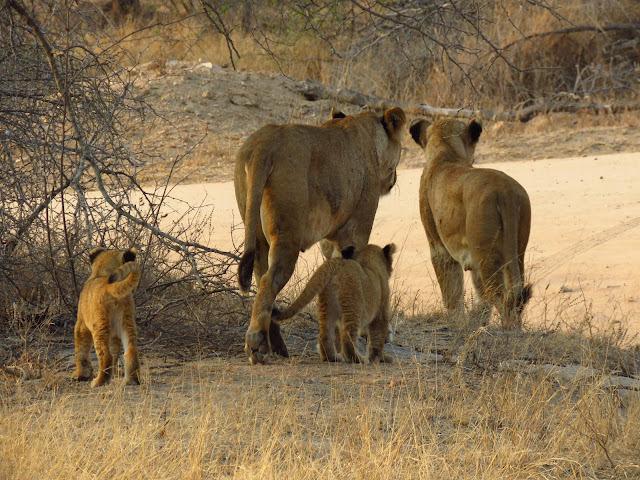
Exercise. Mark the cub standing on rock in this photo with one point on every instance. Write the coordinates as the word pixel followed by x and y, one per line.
pixel 106 315
pixel 476 219
pixel 298 184
pixel 353 295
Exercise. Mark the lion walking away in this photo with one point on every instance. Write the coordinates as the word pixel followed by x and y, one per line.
pixel 476 219
pixel 106 316
pixel 298 184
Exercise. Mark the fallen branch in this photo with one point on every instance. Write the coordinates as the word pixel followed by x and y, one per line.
pixel 576 29
pixel 313 91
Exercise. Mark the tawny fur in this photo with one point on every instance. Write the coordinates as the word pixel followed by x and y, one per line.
pixel 475 219
pixel 106 317
pixel 354 296
pixel 298 184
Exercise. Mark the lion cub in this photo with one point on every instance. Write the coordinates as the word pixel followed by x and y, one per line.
pixel 353 294
pixel 106 315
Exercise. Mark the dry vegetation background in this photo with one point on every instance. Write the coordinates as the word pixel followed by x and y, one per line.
pixel 105 105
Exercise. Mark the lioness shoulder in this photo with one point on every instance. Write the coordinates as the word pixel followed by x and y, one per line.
pixel 106 316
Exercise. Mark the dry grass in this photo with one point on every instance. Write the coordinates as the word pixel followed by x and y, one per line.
pixel 488 408
pixel 220 419
pixel 589 66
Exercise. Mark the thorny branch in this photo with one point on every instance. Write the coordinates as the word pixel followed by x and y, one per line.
pixel 61 112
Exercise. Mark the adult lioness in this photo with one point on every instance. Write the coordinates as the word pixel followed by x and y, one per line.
pixel 106 316
pixel 475 218
pixel 298 184
pixel 353 295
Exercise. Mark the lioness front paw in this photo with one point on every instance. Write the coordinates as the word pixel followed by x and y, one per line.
pixel 79 377
pixel 132 380
pixel 256 346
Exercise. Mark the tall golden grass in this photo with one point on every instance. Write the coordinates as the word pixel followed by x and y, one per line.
pixel 218 419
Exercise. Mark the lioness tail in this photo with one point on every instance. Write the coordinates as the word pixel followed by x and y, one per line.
pixel 259 168
pixel 124 280
pixel 518 293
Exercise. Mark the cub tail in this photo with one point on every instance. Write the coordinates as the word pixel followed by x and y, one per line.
pixel 318 281
pixel 124 280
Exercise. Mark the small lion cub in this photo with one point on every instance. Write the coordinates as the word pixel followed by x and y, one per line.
pixel 106 315
pixel 353 295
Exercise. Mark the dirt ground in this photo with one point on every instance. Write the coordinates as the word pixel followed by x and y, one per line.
pixel 205 113
pixel 580 171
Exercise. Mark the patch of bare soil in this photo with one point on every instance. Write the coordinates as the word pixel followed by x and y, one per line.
pixel 205 113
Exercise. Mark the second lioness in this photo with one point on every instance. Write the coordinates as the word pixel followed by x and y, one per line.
pixel 476 219
pixel 353 295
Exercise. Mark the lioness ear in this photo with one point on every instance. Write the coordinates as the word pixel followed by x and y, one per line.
pixel 93 254
pixel 394 119
pixel 336 114
pixel 474 129
pixel 129 255
pixel 418 130
pixel 388 251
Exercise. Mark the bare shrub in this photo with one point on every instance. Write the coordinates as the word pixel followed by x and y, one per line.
pixel 69 180
pixel 495 54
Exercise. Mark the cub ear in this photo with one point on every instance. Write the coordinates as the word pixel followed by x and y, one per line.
pixel 418 130
pixel 129 255
pixel 336 113
pixel 93 254
pixel 388 251
pixel 348 252
pixel 474 129
pixel 394 119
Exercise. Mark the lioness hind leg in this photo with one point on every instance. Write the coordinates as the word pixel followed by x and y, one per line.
pixel 261 337
pixel 82 342
pixel 481 304
pixel 450 278
pixel 260 267
pixel 492 280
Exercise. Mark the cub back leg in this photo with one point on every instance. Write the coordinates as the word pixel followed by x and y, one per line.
pixel 82 342
pixel 328 315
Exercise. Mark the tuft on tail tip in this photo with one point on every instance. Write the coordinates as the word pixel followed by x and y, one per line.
pixel 525 296
pixel 245 269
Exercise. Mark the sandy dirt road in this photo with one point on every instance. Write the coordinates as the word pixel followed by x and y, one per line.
pixel 583 254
